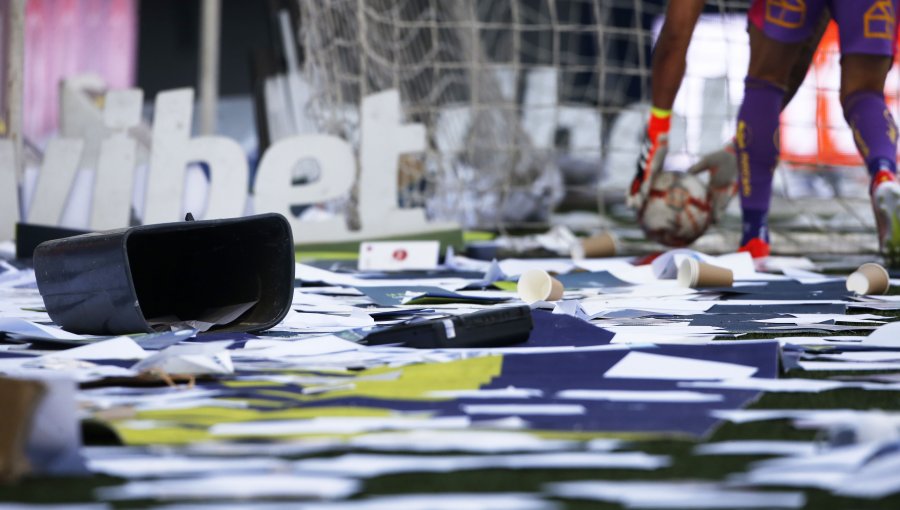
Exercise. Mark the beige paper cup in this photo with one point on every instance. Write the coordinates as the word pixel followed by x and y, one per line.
pixel 870 278
pixel 537 285
pixel 695 274
pixel 595 246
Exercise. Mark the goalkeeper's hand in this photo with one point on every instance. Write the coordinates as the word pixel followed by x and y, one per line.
pixel 650 162
pixel 723 171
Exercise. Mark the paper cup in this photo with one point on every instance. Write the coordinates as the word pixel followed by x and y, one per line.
pixel 596 246
pixel 537 285
pixel 695 274
pixel 870 278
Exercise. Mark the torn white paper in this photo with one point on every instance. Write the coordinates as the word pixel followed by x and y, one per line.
pixel 640 396
pixel 643 365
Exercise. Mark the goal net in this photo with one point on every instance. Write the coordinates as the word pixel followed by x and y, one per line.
pixel 535 108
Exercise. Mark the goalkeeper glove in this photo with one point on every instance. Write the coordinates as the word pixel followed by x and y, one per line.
pixel 653 153
pixel 723 171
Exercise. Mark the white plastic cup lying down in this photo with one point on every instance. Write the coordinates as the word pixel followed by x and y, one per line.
pixel 695 274
pixel 870 278
pixel 537 285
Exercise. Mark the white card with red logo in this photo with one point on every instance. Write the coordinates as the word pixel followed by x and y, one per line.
pixel 398 255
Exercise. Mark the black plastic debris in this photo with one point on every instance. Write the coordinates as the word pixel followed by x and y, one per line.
pixel 217 275
pixel 29 236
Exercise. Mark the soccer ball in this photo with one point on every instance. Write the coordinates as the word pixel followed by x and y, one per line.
pixel 676 211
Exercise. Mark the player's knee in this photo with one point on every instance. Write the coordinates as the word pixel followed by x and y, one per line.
pixel 849 94
pixel 752 82
pixel 771 76
pixel 848 99
pixel 771 60
pixel 863 74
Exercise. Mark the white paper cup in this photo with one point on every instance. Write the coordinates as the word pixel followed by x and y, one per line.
pixel 695 274
pixel 596 246
pixel 537 285
pixel 870 278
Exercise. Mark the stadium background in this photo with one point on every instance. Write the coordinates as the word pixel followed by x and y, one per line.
pixel 534 108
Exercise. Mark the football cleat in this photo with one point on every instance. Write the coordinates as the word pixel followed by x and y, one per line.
pixel 756 247
pixel 886 206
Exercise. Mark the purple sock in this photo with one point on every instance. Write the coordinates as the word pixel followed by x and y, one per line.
pixel 873 130
pixel 757 152
pixel 755 224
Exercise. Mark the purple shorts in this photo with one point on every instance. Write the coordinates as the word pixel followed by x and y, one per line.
pixel 865 26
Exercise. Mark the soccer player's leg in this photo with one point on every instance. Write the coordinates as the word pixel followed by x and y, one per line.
pixel 875 134
pixel 757 154
pixel 867 35
pixel 772 56
pixel 722 164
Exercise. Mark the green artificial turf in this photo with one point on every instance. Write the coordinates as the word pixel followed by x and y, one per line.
pixel 685 465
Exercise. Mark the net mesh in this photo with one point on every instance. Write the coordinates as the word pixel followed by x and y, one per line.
pixel 534 107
